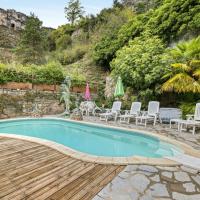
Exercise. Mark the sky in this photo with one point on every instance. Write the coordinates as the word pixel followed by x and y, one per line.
pixel 51 12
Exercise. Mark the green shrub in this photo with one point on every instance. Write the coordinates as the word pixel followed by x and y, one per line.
pixel 187 109
pixel 63 42
pixel 71 55
pixel 140 63
pixel 51 73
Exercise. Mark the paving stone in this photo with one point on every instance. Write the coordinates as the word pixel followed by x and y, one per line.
pixel 179 196
pixel 145 173
pixel 178 187
pixel 155 178
pixel 196 179
pixel 181 176
pixel 159 190
pixel 188 169
pixel 147 196
pixel 97 198
pixel 119 197
pixel 121 185
pixel 171 169
pixel 134 195
pixel 167 174
pixel 124 175
pixel 131 168
pixel 148 168
pixel 139 182
pixel 105 193
pixel 189 187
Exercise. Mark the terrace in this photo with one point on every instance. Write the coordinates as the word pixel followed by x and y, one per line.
pixel 31 170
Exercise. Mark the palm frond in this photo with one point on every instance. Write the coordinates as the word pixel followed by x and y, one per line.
pixel 168 75
pixel 197 73
pixel 181 66
pixel 182 83
pixel 195 63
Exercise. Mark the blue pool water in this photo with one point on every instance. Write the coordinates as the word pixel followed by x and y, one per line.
pixel 94 140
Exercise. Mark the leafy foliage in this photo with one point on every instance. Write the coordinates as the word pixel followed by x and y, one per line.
pixel 184 76
pixel 70 56
pixel 143 5
pixel 187 109
pixel 30 49
pixel 51 73
pixel 63 42
pixel 108 42
pixel 175 19
pixel 139 63
pixel 169 19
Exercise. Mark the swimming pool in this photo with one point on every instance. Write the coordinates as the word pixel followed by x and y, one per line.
pixel 91 139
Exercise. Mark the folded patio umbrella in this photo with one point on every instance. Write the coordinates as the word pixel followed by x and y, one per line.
pixel 87 96
pixel 119 89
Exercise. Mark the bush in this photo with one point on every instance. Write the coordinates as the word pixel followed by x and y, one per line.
pixel 71 55
pixel 174 19
pixel 140 63
pixel 187 109
pixel 63 42
pixel 51 73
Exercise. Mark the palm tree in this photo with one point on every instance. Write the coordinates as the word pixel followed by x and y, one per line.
pixel 184 76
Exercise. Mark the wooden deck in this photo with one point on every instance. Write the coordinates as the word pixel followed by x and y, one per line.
pixel 35 172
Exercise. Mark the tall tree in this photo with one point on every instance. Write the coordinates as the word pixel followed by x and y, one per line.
pixel 74 11
pixel 31 45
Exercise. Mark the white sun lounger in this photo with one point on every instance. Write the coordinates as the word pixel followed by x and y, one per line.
pixel 151 115
pixel 112 113
pixel 187 124
pixel 191 121
pixel 133 113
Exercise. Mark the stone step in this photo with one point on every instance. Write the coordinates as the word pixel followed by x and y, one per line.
pixel 187 160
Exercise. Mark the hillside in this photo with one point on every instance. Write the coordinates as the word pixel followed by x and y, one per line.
pixel 132 39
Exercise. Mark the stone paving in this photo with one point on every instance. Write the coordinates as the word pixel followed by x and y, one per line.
pixel 145 182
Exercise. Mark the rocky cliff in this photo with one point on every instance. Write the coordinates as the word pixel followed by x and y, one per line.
pixel 8 37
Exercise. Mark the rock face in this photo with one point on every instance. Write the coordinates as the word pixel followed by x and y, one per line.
pixel 11 24
pixel 8 39
pixel 12 19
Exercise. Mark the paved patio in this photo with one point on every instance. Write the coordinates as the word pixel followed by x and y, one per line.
pixel 145 182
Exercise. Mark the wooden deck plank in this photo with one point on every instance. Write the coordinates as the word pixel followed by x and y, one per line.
pixel 32 171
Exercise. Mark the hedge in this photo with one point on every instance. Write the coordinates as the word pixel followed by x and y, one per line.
pixel 51 73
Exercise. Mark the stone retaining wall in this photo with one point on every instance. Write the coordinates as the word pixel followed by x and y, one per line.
pixel 19 99
pixel 22 103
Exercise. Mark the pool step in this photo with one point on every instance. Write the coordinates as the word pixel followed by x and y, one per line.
pixel 184 159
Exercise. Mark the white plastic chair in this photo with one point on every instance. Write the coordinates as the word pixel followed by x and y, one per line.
pixel 88 107
pixel 112 113
pixel 151 114
pixel 133 113
pixel 196 116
